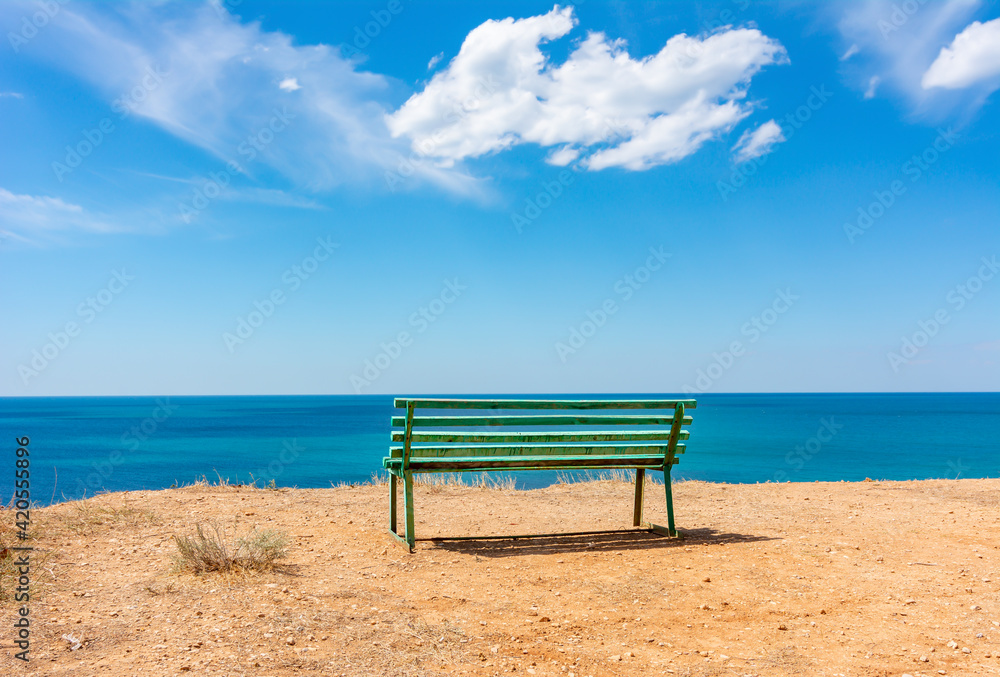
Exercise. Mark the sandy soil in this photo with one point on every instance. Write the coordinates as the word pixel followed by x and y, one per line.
pixel 873 578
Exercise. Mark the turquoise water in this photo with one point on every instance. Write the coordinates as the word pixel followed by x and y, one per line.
pixel 124 443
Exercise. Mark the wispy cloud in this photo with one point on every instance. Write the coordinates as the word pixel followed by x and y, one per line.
pixel 12 95
pixel 601 104
pixel 873 83
pixel 34 217
pixel 893 44
pixel 758 142
pixel 224 79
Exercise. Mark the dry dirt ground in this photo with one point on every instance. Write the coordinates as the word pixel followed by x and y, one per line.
pixel 872 578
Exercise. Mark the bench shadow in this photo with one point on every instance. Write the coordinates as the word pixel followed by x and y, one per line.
pixel 610 541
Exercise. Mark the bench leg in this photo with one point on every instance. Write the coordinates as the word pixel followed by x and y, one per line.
pixel 640 483
pixel 670 502
pixel 408 499
pixel 392 503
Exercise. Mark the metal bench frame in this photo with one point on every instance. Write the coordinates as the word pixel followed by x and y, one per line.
pixel 618 445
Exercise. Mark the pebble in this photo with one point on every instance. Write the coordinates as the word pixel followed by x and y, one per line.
pixel 782 627
pixel 966 649
pixel 290 641
pixel 615 658
pixel 952 644
pixel 924 659
pixel 707 579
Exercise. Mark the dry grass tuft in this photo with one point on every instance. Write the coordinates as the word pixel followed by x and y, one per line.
pixel 9 574
pixel 438 481
pixel 89 516
pixel 615 475
pixel 211 552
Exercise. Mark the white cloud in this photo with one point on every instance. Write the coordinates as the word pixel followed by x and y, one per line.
pixel 896 42
pixel 851 51
pixel 14 95
pixel 601 104
pixel 561 157
pixel 873 84
pixel 435 60
pixel 760 141
pixel 972 57
pixel 215 89
pixel 31 216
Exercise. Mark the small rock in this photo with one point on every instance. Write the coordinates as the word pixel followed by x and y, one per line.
pixel 975 607
pixel 911 601
pixel 707 579
pixel 782 627
pixel 966 649
pixel 723 657
pixel 290 641
pixel 924 659
pixel 952 644
pixel 543 619
pixel 615 658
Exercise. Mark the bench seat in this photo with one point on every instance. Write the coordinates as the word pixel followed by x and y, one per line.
pixel 570 435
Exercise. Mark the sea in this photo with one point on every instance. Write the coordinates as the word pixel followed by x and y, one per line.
pixel 80 446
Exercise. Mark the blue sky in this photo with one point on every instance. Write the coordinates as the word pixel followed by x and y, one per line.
pixel 397 197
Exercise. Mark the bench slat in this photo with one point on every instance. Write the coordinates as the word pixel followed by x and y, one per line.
pixel 471 464
pixel 551 419
pixel 491 437
pixel 420 403
pixel 534 450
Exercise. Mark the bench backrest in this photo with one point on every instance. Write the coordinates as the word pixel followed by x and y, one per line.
pixel 455 428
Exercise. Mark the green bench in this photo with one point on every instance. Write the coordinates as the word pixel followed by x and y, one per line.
pixel 577 435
